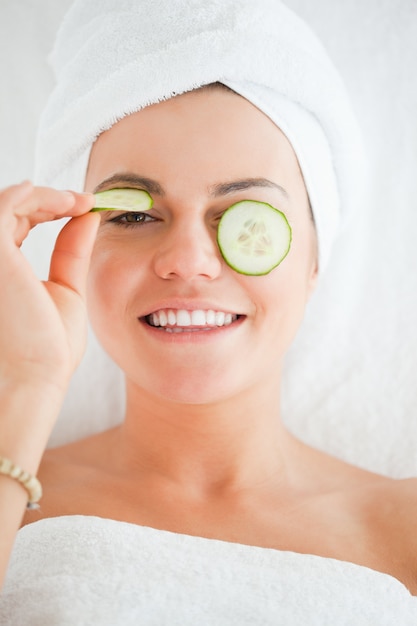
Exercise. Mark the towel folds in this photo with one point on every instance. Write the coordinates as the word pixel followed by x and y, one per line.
pixel 115 57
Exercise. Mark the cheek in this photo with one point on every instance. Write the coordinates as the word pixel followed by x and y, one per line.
pixel 100 278
pixel 112 301
pixel 282 295
pixel 110 281
pixel 303 255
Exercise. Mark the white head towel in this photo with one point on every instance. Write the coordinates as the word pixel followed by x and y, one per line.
pixel 114 57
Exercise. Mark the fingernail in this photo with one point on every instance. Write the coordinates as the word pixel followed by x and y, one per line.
pixel 25 183
pixel 69 194
pixel 87 194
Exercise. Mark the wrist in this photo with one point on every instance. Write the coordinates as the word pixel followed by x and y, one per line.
pixel 28 412
pixel 30 483
pixel 36 378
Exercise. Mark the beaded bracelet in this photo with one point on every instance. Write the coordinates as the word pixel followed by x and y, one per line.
pixel 29 482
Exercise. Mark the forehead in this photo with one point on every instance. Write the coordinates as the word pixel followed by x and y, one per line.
pixel 210 133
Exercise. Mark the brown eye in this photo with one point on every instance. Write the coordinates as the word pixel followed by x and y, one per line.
pixel 134 218
pixel 131 218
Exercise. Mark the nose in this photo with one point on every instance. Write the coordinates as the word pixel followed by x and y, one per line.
pixel 189 251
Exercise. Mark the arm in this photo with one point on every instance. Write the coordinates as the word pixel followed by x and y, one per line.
pixel 42 332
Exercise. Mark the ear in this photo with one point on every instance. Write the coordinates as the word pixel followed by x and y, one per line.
pixel 312 279
pixel 313 267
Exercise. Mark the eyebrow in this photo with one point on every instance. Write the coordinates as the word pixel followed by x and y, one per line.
pixel 215 191
pixel 129 178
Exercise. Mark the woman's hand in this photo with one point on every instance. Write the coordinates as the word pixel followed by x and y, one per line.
pixel 43 324
pixel 42 332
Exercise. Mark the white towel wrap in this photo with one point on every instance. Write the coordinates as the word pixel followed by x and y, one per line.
pixel 114 57
pixel 88 570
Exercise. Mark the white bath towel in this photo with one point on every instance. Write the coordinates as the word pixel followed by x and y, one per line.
pixel 117 56
pixel 80 571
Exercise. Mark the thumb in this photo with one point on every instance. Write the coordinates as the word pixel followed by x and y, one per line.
pixel 72 253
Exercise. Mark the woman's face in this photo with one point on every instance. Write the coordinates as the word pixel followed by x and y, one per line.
pixel 196 154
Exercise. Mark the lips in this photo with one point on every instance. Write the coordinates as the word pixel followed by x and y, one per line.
pixel 177 320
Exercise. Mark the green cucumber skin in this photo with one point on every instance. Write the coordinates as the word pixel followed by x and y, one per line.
pixel 285 253
pixel 256 273
pixel 119 192
pixel 233 265
pixel 110 208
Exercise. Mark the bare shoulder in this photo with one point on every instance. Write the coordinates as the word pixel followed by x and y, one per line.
pixel 403 495
pixel 66 474
pixel 54 475
pixel 394 501
pixel 391 513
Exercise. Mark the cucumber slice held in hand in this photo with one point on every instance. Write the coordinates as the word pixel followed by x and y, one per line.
pixel 122 200
pixel 253 237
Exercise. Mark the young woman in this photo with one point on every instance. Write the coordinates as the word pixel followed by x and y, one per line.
pixel 202 451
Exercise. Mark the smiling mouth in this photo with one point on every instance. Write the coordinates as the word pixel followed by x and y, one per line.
pixel 181 320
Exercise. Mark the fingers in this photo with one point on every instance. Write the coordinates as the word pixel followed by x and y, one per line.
pixel 24 206
pixel 16 193
pixel 71 256
pixel 46 204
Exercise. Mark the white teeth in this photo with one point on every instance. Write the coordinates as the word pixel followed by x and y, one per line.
pixel 172 318
pixel 163 319
pixel 198 318
pixel 177 320
pixel 183 318
pixel 189 329
pixel 220 318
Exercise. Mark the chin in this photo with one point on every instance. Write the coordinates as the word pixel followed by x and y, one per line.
pixel 197 394
pixel 189 389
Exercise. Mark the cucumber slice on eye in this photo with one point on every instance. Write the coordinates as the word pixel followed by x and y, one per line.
pixel 253 237
pixel 122 200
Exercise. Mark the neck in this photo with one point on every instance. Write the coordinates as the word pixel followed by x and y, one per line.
pixel 224 446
